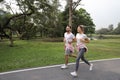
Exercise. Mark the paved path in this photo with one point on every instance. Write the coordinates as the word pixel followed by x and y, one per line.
pixel 102 70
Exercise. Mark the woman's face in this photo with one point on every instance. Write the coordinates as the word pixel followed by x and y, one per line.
pixel 79 30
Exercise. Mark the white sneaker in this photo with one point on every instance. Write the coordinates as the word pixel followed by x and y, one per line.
pixel 91 67
pixel 74 73
pixel 64 66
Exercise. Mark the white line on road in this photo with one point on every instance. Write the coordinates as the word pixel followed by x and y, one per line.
pixel 53 66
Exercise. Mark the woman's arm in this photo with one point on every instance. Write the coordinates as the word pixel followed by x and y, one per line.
pixel 86 40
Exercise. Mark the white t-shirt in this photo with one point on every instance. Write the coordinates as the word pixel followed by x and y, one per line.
pixel 80 36
pixel 69 37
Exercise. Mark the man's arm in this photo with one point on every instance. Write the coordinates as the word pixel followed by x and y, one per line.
pixel 74 39
pixel 64 40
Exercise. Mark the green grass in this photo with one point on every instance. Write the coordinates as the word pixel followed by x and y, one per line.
pixel 34 53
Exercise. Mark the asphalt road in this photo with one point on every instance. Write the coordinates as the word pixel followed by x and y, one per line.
pixel 102 70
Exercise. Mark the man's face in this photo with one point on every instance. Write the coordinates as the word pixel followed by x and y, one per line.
pixel 68 29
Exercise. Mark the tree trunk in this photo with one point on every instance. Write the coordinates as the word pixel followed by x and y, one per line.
pixel 70 13
pixel 11 39
pixel 71 8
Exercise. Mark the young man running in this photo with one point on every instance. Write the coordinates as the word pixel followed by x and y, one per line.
pixel 69 49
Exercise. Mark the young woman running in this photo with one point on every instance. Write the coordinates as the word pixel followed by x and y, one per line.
pixel 81 48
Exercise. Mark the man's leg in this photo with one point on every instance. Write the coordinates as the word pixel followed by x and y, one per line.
pixel 73 55
pixel 67 52
pixel 66 59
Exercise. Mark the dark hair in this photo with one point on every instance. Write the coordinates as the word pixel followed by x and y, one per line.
pixel 69 26
pixel 82 27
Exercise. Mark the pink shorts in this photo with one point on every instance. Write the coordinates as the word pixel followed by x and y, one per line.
pixel 69 49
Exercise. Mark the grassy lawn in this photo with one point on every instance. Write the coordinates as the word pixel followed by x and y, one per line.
pixel 34 53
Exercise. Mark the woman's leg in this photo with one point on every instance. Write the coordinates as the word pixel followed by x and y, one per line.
pixel 80 54
pixel 83 59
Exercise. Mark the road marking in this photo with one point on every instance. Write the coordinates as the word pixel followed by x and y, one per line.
pixel 53 66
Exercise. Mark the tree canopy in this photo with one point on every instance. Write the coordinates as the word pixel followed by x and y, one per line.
pixel 80 17
pixel 40 18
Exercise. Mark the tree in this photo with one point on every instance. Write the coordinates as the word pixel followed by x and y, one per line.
pixel 24 30
pixel 102 31
pixel 117 30
pixel 72 6
pixel 42 15
pixel 110 27
pixel 80 17
pixel 3 16
pixel 42 18
pixel 70 12
pixel 6 25
pixel 48 20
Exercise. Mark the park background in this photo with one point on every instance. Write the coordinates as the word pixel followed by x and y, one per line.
pixel 32 34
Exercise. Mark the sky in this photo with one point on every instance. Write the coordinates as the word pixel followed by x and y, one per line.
pixel 103 12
